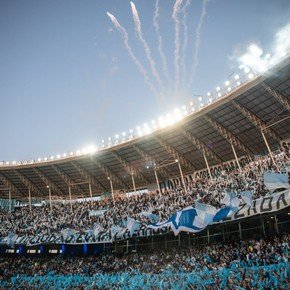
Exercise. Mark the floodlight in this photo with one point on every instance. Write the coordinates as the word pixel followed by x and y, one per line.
pixel 237 77
pixel 218 89
pixel 227 83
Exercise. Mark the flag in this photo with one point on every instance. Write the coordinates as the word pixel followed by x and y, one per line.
pixel 205 212
pixel 231 200
pixel 274 181
pixel 154 218
pixel 97 229
pixel 132 225
pixel 222 214
pixel 115 230
pixel 247 197
pixel 11 238
pixel 66 233
pixel 184 220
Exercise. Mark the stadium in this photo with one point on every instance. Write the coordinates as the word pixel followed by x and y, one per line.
pixel 198 199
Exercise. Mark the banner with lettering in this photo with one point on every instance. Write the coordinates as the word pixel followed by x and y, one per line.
pixel 189 219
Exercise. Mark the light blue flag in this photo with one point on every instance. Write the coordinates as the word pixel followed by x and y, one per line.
pixel 97 229
pixel 66 233
pixel 222 214
pixel 205 212
pixel 115 230
pixel 274 180
pixel 11 238
pixel 232 201
pixel 247 197
pixel 152 217
pixel 132 225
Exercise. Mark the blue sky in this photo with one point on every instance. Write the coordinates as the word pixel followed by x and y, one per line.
pixel 66 79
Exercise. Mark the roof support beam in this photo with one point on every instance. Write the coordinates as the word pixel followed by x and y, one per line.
pixel 200 145
pixel 164 172
pixel 9 184
pixel 66 178
pixel 131 169
pixel 258 123
pixel 28 183
pixel 88 177
pixel 285 103
pixel 109 173
pixel 49 182
pixel 175 154
pixel 229 136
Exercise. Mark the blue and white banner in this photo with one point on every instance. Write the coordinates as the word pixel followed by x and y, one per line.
pixel 275 181
pixel 190 219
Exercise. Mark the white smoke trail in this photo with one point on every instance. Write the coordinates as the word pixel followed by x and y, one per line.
pixel 254 58
pixel 160 41
pixel 185 38
pixel 176 9
pixel 197 42
pixel 281 45
pixel 146 46
pixel 124 34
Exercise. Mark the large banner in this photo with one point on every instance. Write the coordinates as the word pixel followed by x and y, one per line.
pixel 189 219
pixel 214 170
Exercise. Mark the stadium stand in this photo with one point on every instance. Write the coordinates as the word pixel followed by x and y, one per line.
pixel 232 252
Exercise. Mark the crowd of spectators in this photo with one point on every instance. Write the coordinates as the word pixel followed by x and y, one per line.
pixel 249 264
pixel 211 191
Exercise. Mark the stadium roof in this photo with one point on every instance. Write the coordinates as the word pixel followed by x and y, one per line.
pixel 237 118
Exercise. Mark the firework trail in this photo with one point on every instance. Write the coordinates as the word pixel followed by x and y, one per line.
pixel 197 41
pixel 160 41
pixel 146 46
pixel 176 9
pixel 185 38
pixel 124 34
